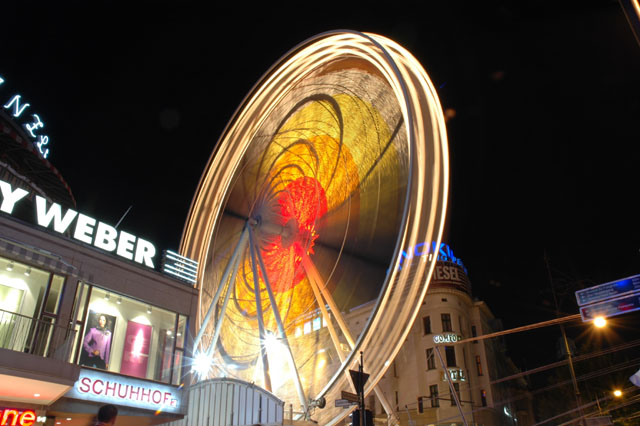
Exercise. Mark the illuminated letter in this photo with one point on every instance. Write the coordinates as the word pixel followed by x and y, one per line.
pixel 167 396
pixel 419 253
pixel 60 224
pixel 27 418
pixel 153 396
pixel 5 417
pixel 9 197
pixel 106 237
pixel 94 387
pixel 37 124
pixel 145 252
pixel 120 387
pixel 146 394
pixel 137 392
pixel 42 142
pixel 125 245
pixel 113 389
pixel 85 382
pixel 84 228
pixel 17 109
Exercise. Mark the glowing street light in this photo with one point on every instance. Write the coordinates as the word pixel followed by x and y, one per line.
pixel 202 364
pixel 599 321
pixel 617 393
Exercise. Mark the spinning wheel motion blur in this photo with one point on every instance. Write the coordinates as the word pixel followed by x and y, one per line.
pixel 332 169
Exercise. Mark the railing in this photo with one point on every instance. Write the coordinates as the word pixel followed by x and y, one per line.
pixel 38 337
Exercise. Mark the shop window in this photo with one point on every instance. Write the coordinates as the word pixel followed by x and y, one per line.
pixel 446 322
pixel 431 362
pixel 29 303
pixel 426 325
pixel 483 397
pixel 126 336
pixel 433 395
pixel 456 386
pixel 478 365
pixel 450 353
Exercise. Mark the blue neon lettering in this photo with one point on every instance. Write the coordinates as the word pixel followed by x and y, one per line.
pixel 420 253
pixel 17 109
pixel 43 140
pixel 37 124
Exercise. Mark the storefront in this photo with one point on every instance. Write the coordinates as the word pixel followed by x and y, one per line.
pixel 82 325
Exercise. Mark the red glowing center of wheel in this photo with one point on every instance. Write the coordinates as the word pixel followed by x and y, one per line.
pixel 302 203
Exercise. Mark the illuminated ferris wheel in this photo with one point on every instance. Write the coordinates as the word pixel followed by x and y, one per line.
pixel 332 169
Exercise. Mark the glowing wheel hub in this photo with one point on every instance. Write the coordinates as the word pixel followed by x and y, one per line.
pixel 302 203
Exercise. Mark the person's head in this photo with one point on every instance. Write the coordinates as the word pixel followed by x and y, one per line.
pixel 107 414
pixel 102 321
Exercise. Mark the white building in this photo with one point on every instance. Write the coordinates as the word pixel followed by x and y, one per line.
pixel 416 383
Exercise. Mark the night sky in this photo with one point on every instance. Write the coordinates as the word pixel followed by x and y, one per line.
pixel 544 142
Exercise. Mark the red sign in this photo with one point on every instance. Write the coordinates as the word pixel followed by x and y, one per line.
pixel 16 417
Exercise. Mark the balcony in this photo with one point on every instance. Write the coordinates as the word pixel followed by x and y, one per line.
pixel 35 359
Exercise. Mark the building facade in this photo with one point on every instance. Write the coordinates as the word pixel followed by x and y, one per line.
pixel 417 384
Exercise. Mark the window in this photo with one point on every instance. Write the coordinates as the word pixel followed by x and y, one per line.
pixel 126 336
pixel 456 386
pixel 29 303
pixel 426 325
pixel 433 395
pixel 478 365
pixel 460 324
pixel 431 362
pixel 450 353
pixel 483 397
pixel 474 333
pixel 446 322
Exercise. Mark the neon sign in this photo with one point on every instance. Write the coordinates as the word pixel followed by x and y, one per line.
pixel 87 229
pixel 16 107
pixel 108 388
pixel 17 417
pixel 425 251
pixel 447 338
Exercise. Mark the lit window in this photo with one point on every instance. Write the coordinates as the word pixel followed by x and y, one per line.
pixel 307 327
pixel 298 332
pixel 478 365
pixel 317 323
pixel 483 397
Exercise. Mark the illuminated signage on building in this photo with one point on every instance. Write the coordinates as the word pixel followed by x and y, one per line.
pixel 108 388
pixel 456 374
pixel 426 251
pixel 33 125
pixel 86 229
pixel 447 338
pixel 17 417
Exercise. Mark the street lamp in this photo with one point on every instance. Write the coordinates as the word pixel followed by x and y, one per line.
pixel 600 321
pixel 617 393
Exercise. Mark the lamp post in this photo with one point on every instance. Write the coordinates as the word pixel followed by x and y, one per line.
pixel 566 344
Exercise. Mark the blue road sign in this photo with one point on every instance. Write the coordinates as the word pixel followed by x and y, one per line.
pixel 610 308
pixel 608 290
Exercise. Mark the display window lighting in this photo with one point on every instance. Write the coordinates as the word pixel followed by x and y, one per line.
pixel 10 266
pixel 27 271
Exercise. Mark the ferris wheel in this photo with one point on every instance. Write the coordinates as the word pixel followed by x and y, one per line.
pixel 329 180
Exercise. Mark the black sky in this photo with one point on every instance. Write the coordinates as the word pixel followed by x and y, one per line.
pixel 544 144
